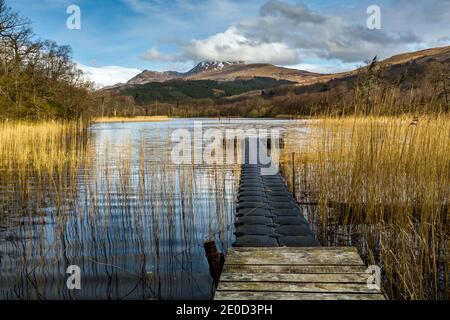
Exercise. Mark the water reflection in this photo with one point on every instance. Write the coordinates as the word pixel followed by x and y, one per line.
pixel 134 222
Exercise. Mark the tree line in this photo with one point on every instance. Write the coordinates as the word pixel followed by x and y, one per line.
pixel 39 79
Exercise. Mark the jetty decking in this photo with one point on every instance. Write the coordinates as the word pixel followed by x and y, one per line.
pixel 294 273
pixel 276 256
pixel 267 214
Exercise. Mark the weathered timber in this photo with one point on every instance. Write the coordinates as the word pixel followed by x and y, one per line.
pixel 299 269
pixel 295 273
pixel 295 256
pixel 295 287
pixel 216 260
pixel 270 295
pixel 295 277
pixel 276 256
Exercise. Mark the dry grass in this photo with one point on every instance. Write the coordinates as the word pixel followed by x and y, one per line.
pixel 131 119
pixel 383 185
pixel 37 146
pixel 39 164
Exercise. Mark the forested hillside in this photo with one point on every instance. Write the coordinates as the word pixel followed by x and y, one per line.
pixel 38 78
pixel 188 90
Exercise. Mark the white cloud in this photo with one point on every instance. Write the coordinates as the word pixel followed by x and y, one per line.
pixel 285 32
pixel 325 36
pixel 232 45
pixel 325 67
pixel 153 54
pixel 109 75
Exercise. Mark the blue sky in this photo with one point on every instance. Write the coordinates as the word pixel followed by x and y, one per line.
pixel 119 38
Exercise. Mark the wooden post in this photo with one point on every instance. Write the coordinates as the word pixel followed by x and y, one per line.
pixel 293 175
pixel 216 260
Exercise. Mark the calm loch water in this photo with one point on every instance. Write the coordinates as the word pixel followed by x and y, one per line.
pixel 132 221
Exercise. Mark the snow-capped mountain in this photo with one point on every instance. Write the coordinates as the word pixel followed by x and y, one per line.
pixel 204 66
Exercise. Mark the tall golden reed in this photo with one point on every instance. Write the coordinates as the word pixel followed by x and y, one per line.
pixel 383 185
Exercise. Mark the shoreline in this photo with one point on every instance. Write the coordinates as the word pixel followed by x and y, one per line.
pixel 131 119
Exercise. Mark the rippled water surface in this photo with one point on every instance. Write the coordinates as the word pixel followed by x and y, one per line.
pixel 133 221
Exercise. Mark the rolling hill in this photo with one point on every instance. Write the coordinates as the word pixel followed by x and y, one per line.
pixel 223 71
pixel 405 68
pixel 228 81
pixel 180 90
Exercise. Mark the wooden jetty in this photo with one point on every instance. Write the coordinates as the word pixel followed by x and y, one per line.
pixel 294 273
pixel 276 256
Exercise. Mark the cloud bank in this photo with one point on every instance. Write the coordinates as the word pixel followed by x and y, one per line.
pixel 234 45
pixel 285 34
pixel 109 75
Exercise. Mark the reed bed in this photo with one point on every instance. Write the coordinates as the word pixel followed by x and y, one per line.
pixel 42 145
pixel 37 156
pixel 381 184
pixel 112 203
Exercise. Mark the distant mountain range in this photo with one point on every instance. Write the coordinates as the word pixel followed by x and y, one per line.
pixel 221 71
pixel 228 79
pixel 203 67
pixel 239 70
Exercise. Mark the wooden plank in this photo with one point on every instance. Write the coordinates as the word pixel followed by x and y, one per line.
pixel 296 287
pixel 295 274
pixel 294 249
pixel 292 277
pixel 248 268
pixel 266 257
pixel 268 295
